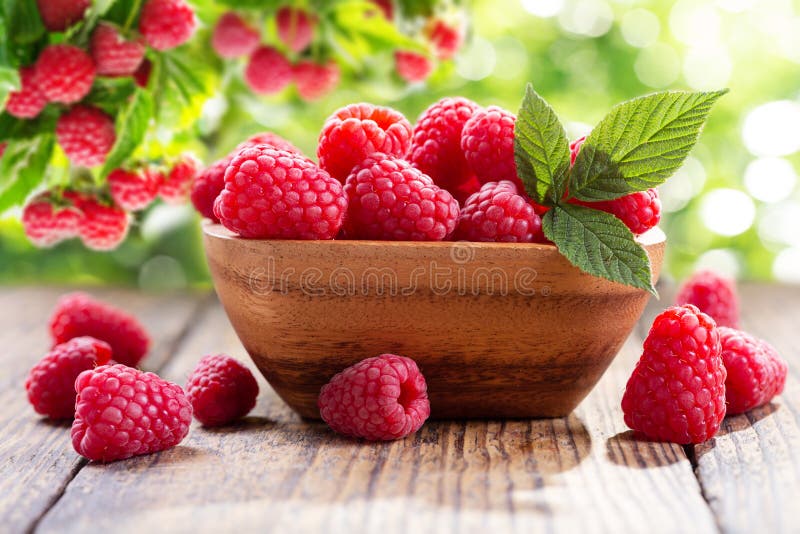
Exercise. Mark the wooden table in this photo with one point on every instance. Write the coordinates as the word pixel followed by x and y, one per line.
pixel 277 473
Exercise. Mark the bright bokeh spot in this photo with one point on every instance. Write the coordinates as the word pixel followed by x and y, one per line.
pixel 477 60
pixel 786 266
pixel 695 23
pixel 684 185
pixel 780 224
pixel 543 8
pixel 722 260
pixel 735 6
pixel 657 65
pixel 770 179
pixel 591 18
pixel 707 68
pixel 727 211
pixel 640 28
pixel 773 129
pixel 512 59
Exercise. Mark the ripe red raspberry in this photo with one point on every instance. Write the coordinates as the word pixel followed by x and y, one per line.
pixel 29 101
pixel 487 141
pixel 295 27
pixel 51 382
pixel 221 390
pixel 381 398
pixel 64 73
pixel 677 390
pixel 574 148
pixel 386 8
pixel 273 194
pixel 354 132
pixel 112 54
pixel 207 187
pixel 315 80
pixel 750 371
pixel 446 39
pixel 640 211
pixel 103 226
pixel 47 224
pixel 436 147
pixel 166 24
pixel 233 37
pixel 268 71
pixel 177 185
pixel 389 199
pixel 267 138
pixel 58 15
pixel 122 412
pixel 142 75
pixel 778 370
pixel 498 213
pixel 714 294
pixel 86 134
pixel 78 314
pixel 132 191
pixel 412 66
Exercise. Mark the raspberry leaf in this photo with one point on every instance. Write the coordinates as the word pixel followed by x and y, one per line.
pixel 9 81
pixel 131 125
pixel 640 144
pixel 22 167
pixel 541 150
pixel 600 244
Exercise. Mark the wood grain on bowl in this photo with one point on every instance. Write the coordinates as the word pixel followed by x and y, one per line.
pixel 499 330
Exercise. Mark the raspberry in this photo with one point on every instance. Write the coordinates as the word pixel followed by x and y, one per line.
pixel 221 390
pixel 640 211
pixel 112 54
pixel 58 15
pixel 446 39
pixel 315 80
pixel 389 199
pixel 436 147
pixel 574 148
pixel 354 132
pixel 499 213
pixel 386 7
pixel 142 74
pixel 51 382
pixel 233 37
pixel 103 227
pixel 295 27
pixel 274 194
pixel 78 314
pixel 411 66
pixel 3 147
pixel 122 412
pixel 267 71
pixel 132 191
pixel 29 101
pixel 750 371
pixel 46 224
pixel 381 398
pixel 207 187
pixel 677 390
pixel 779 370
pixel 713 294
pixel 64 73
pixel 86 134
pixel 177 186
pixel 267 138
pixel 166 24
pixel 487 141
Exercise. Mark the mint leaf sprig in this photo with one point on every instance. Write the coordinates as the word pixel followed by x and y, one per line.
pixel 638 145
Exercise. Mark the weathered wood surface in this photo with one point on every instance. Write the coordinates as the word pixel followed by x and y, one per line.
pixel 277 473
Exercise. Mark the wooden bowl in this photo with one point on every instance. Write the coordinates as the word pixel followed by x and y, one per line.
pixel 498 330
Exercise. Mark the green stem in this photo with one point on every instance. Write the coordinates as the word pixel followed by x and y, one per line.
pixel 132 15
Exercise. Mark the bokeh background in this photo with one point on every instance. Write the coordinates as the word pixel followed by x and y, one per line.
pixel 734 206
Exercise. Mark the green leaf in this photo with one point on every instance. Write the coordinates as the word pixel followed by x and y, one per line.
pixel 600 244
pixel 22 168
pixel 357 32
pixel 9 81
pixel 23 21
pixel 640 144
pixel 131 126
pixel 541 150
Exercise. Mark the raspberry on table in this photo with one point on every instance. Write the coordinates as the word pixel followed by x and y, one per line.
pixel 445 38
pixel 177 185
pixel 86 134
pixel 436 146
pixel 47 224
pixel 274 194
pixel 487 141
pixel 51 383
pixel 750 371
pixel 132 191
pixel 122 412
pixel 113 55
pixel 295 27
pixel 778 370
pixel 380 398
pixel 499 213
pixel 354 132
pixel 639 211
pixel 713 294
pixel 29 101
pixel 413 67
pixel 267 71
pixel 64 73
pixel 233 37
pixel 221 390
pixel 391 200
pixel 166 24
pixel 58 15
pixel 78 314
pixel 315 80
pixel 677 390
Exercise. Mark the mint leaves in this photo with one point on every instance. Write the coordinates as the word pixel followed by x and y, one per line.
pixel 638 145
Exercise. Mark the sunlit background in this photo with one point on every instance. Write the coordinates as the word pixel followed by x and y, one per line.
pixel 734 206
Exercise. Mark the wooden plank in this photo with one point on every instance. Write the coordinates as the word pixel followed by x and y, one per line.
pixel 277 473
pixel 36 456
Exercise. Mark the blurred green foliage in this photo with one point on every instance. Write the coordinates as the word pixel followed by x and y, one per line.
pixel 735 205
